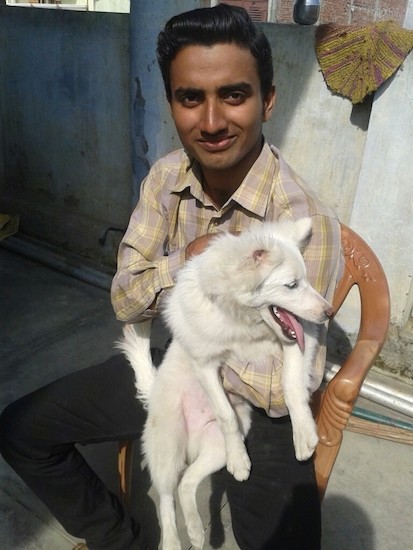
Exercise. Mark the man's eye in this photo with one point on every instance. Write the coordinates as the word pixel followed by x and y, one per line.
pixel 292 285
pixel 189 100
pixel 235 98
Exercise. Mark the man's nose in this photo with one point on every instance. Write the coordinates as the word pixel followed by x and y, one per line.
pixel 212 118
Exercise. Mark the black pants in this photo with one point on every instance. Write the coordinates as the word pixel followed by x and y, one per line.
pixel 277 508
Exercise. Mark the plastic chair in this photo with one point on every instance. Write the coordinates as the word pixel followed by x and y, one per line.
pixel 332 406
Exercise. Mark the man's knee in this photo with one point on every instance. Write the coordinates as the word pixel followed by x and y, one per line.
pixel 16 429
pixel 9 429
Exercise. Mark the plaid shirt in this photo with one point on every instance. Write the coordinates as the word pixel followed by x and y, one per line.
pixel 173 210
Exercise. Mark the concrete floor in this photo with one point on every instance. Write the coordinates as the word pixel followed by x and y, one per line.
pixel 52 324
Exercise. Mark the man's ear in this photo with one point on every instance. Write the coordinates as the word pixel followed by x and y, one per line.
pixel 268 104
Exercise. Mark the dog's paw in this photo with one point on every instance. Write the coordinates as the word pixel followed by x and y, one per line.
pixel 238 462
pixel 305 441
pixel 197 538
pixel 171 544
pixel 193 522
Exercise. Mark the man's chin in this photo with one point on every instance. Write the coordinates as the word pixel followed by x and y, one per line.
pixel 216 160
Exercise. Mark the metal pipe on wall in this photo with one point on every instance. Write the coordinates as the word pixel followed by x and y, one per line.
pixel 379 393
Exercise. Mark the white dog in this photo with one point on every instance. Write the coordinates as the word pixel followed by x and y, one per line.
pixel 239 298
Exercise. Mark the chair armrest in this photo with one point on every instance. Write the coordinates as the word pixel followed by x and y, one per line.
pixel 342 391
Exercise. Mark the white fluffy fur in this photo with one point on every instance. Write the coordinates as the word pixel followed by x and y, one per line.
pixel 219 308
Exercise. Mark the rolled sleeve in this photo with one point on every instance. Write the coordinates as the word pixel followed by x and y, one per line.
pixel 145 265
pixel 133 293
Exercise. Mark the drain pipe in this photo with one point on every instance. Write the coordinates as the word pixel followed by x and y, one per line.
pixel 51 257
pixel 379 393
pixel 381 419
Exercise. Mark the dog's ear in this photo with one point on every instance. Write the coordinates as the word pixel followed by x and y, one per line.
pixel 264 261
pixel 259 255
pixel 302 233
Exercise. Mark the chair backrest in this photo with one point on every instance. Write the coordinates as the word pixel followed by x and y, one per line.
pixel 335 403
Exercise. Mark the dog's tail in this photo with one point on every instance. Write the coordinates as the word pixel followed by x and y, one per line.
pixel 135 344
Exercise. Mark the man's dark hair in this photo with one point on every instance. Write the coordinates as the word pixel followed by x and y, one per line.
pixel 221 24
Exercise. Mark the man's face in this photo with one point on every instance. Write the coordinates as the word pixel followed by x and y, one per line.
pixel 217 106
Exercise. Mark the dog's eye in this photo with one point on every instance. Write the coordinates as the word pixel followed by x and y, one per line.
pixel 292 285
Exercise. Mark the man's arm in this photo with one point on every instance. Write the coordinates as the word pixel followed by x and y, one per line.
pixel 144 268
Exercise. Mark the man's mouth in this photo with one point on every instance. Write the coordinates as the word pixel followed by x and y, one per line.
pixel 219 144
pixel 289 324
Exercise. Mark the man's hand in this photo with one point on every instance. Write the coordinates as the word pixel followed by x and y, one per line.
pixel 198 245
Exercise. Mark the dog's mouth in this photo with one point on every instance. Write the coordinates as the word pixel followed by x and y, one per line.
pixel 289 324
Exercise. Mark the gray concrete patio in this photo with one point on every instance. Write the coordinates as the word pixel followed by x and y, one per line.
pixel 53 324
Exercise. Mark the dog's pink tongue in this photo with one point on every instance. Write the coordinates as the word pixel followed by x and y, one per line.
pixel 289 319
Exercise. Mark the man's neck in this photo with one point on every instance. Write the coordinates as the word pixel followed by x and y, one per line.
pixel 220 185
pixel 220 189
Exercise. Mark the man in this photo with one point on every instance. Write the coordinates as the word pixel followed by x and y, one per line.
pixel 217 70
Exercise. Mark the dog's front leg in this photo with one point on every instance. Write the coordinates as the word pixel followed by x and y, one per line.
pixel 238 461
pixel 295 384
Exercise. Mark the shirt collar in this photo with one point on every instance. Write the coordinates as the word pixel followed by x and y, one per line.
pixel 190 178
pixel 252 194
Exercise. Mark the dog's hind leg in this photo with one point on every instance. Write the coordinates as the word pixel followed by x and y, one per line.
pixel 237 459
pixel 170 538
pixel 212 457
pixel 165 473
pixel 164 446
pixel 165 453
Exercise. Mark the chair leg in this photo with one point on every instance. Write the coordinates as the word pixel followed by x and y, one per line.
pixel 125 469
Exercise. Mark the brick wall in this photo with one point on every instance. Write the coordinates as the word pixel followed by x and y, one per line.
pixel 258 9
pixel 362 12
pixel 345 12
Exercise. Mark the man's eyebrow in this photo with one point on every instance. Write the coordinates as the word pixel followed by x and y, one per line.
pixel 242 86
pixel 236 87
pixel 184 91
